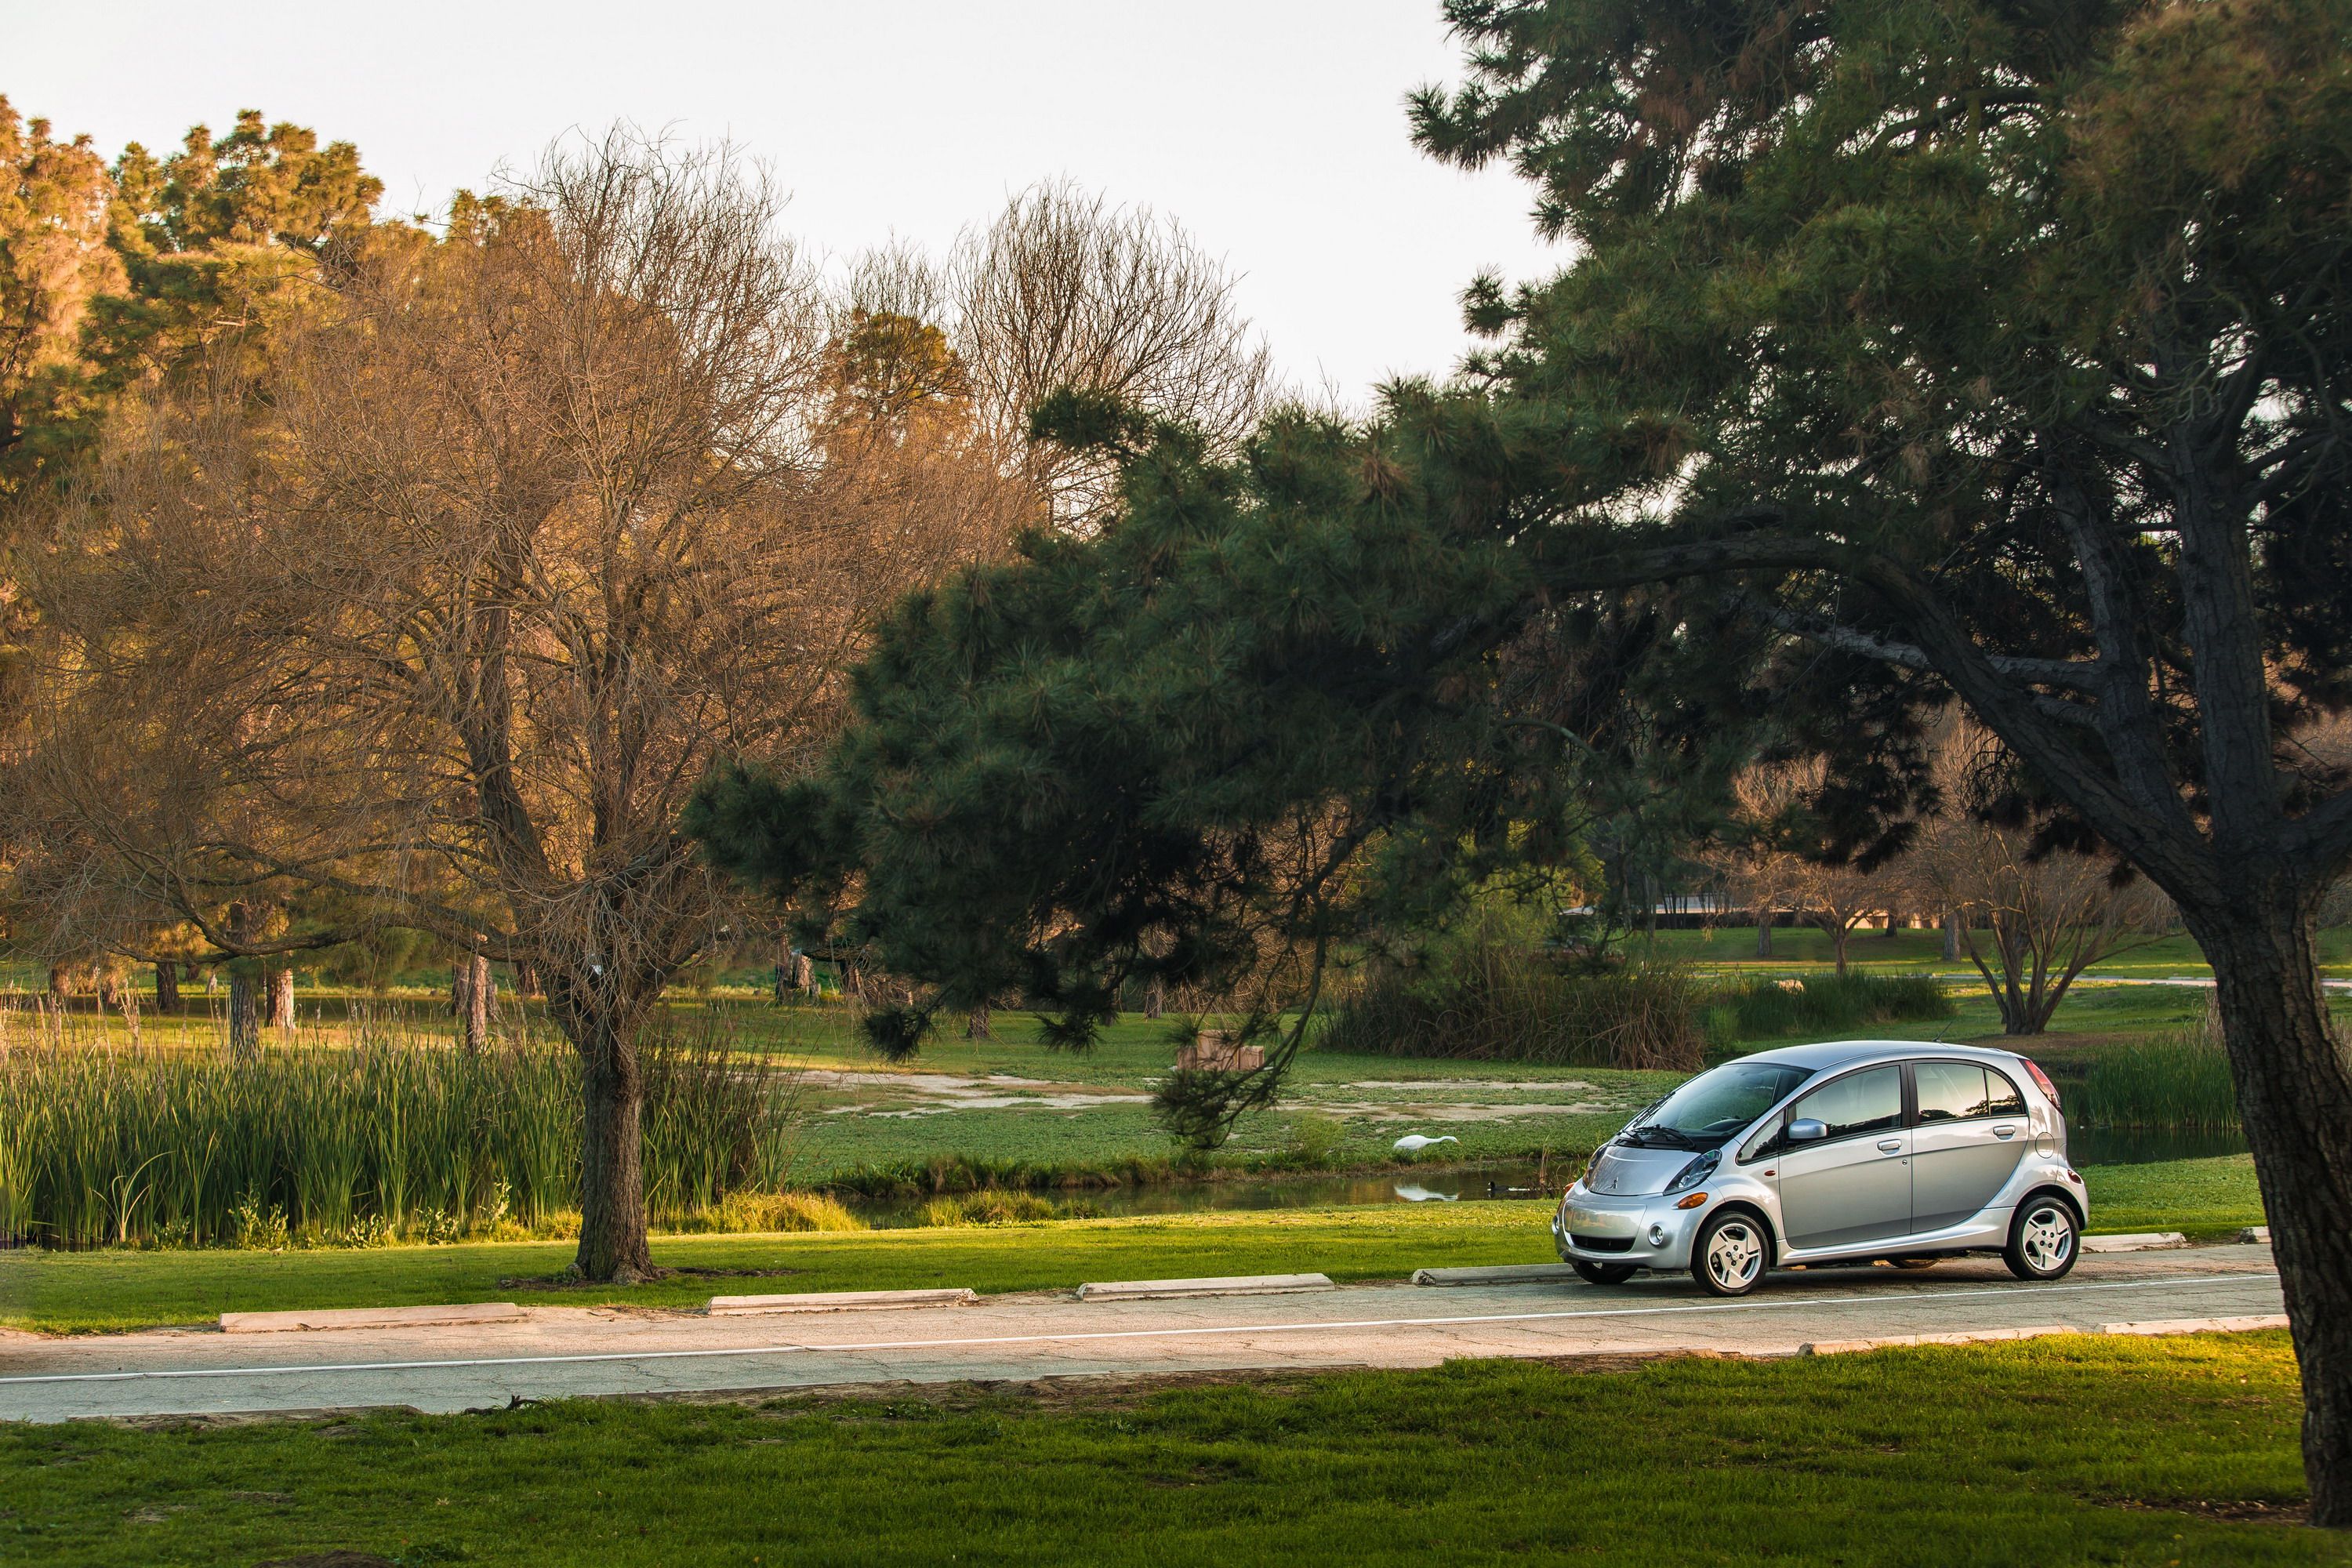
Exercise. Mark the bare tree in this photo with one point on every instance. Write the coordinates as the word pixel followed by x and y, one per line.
pixel 1775 866
pixel 2031 915
pixel 1066 289
pixel 523 530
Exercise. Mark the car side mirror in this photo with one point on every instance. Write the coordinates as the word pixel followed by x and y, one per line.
pixel 1805 1130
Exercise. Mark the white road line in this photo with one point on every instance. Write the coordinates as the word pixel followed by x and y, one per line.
pixel 1191 1333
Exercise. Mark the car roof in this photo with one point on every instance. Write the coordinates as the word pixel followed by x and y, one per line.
pixel 1830 1054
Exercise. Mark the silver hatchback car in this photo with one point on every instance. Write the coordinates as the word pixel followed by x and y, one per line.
pixel 1853 1152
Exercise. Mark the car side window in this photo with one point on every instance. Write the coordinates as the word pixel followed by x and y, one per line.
pixel 2003 1099
pixel 1867 1102
pixel 1950 1091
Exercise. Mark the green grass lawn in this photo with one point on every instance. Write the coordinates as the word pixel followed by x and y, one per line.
pixel 85 1291
pixel 2053 1451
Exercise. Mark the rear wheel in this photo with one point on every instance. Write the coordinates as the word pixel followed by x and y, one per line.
pixel 2042 1239
pixel 1729 1256
pixel 1602 1273
pixel 1911 1262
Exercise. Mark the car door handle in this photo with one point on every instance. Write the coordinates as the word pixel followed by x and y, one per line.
pixel 1890 1144
pixel 2004 1131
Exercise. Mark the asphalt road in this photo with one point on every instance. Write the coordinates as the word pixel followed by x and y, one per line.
pixel 566 1352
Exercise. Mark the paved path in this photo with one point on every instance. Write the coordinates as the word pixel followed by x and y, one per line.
pixel 558 1352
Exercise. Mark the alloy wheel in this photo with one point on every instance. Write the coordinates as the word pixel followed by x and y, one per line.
pixel 1735 1256
pixel 2048 1239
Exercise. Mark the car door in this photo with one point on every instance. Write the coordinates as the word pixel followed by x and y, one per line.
pixel 1970 1134
pixel 1853 1186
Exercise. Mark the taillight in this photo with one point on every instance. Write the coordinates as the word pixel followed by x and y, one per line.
pixel 2043 1078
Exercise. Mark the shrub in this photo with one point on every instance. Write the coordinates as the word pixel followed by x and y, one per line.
pixel 772 1210
pixel 1496 1002
pixel 1821 1004
pixel 990 1206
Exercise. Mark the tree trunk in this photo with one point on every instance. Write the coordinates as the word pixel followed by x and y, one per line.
pixel 1951 936
pixel 244 1014
pixel 1838 935
pixel 1894 925
pixel 102 985
pixel 1764 933
pixel 57 984
pixel 1155 997
pixel 281 998
pixel 976 1026
pixel 612 1245
pixel 2294 1079
pixel 804 973
pixel 526 978
pixel 167 985
pixel 470 989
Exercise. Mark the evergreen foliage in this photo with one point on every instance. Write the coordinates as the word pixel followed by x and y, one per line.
pixel 1911 352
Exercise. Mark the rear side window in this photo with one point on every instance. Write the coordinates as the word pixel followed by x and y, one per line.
pixel 1867 1102
pixel 2004 1099
pixel 1950 1091
pixel 1963 1091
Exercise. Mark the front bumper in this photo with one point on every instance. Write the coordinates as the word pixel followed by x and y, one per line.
pixel 1647 1231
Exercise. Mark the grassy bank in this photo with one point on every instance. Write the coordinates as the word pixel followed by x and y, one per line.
pixel 84 1291
pixel 118 1290
pixel 2067 1450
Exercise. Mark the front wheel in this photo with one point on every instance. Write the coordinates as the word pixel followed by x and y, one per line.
pixel 2042 1239
pixel 1602 1273
pixel 1729 1257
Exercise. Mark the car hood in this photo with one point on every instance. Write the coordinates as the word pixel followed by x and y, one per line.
pixel 1625 1170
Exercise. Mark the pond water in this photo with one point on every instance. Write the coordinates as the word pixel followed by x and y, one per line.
pixel 1435 1186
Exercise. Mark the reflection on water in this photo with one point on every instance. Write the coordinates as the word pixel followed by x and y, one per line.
pixel 1261 1193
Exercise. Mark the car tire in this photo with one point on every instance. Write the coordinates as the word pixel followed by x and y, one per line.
pixel 1730 1254
pixel 1602 1273
pixel 2045 1238
pixel 1911 1262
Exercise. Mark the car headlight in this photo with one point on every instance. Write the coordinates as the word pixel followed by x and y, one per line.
pixel 1698 1170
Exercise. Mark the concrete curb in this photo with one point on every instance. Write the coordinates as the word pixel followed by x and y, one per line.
pixel 840 1302
pixel 370 1318
pixel 1238 1285
pixel 1978 1336
pixel 2198 1325
pixel 2138 1241
pixel 1504 1274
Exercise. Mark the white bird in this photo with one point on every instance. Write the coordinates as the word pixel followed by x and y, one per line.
pixel 1413 1143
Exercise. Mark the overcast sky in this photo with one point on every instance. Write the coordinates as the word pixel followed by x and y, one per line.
pixel 1273 128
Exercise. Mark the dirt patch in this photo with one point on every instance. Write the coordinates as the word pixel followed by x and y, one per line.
pixel 557 1282
pixel 2236 1509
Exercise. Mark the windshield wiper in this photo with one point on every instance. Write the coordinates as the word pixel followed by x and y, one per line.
pixel 1675 1137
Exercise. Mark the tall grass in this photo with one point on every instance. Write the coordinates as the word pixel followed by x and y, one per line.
pixel 2173 1082
pixel 1758 1009
pixel 394 1134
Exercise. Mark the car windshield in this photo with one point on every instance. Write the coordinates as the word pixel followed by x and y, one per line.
pixel 1716 1104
